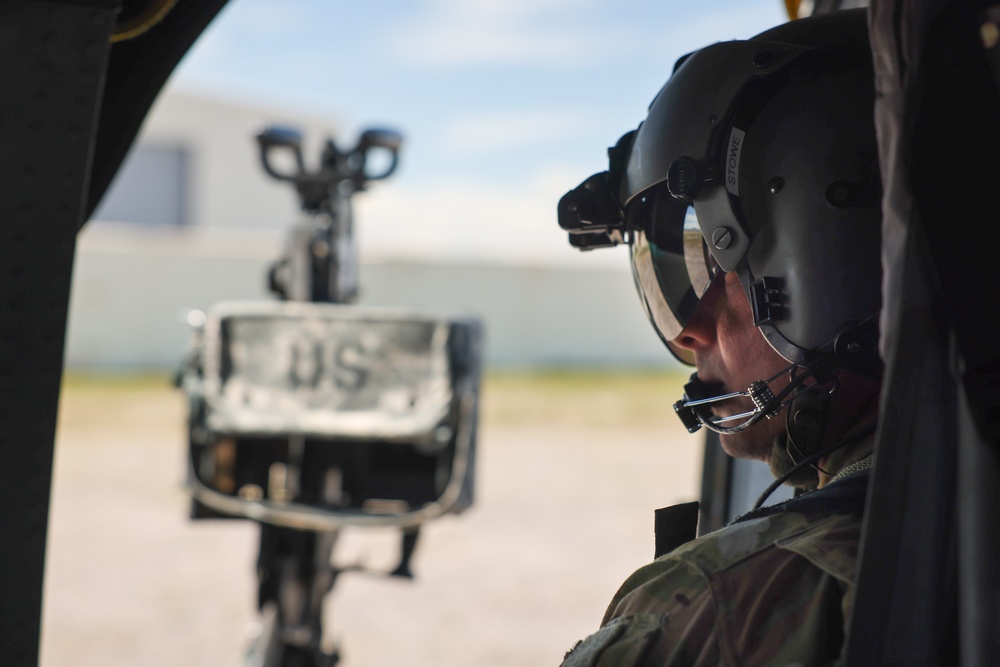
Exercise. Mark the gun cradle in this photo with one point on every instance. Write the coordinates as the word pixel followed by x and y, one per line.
pixel 318 416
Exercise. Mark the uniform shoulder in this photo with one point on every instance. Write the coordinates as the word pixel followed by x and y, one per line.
pixel 732 545
pixel 714 600
pixel 643 640
pixel 686 573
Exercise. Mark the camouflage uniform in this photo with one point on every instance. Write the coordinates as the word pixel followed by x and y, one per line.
pixel 772 588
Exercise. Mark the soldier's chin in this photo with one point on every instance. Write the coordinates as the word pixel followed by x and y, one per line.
pixel 781 463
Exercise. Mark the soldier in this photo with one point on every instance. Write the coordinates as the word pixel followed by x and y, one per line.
pixel 750 201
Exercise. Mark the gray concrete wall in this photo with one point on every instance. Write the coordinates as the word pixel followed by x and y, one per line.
pixel 133 285
pixel 226 186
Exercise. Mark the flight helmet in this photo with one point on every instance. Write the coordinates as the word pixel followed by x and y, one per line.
pixel 757 157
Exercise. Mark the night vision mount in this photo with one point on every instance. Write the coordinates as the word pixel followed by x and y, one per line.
pixel 591 213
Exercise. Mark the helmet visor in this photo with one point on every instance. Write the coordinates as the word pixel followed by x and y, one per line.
pixel 671 264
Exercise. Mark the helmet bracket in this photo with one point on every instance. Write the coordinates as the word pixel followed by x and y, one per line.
pixel 766 300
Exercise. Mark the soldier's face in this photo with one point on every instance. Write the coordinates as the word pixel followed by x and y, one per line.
pixel 731 353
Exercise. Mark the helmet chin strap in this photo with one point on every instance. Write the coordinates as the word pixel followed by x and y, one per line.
pixel 695 409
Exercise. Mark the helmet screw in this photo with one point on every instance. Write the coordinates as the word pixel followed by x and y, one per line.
pixel 775 185
pixel 683 178
pixel 838 193
pixel 713 118
pixel 722 238
pixel 762 59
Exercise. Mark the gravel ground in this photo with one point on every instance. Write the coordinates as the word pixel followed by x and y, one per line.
pixel 570 469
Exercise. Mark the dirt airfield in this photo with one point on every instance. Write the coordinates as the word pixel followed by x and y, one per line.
pixel 570 468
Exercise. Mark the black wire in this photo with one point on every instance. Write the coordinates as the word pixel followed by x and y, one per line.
pixel 868 430
pixel 789 417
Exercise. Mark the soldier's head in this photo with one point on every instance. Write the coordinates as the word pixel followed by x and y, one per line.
pixel 750 201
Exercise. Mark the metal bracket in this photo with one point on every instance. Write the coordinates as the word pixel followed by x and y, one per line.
pixel 766 300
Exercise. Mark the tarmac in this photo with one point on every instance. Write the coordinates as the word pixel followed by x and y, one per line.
pixel 563 513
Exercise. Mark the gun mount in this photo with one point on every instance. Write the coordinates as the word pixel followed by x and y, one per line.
pixel 310 414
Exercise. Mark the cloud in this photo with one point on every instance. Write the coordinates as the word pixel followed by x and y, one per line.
pixel 484 132
pixel 265 19
pixel 477 32
pixel 476 222
pixel 567 33
pixel 699 29
pixel 475 44
pixel 488 10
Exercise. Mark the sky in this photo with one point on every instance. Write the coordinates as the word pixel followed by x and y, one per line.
pixel 504 105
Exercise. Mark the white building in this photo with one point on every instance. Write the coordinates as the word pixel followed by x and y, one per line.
pixel 192 219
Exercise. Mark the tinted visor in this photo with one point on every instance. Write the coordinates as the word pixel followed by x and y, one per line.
pixel 671 264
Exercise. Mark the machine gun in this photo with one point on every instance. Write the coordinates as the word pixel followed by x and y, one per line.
pixel 310 414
